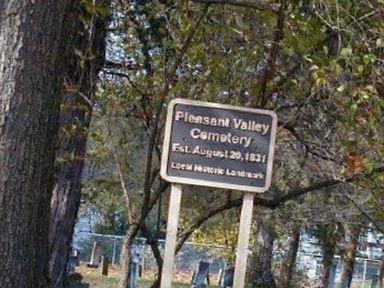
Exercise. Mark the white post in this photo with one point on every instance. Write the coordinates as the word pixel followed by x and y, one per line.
pixel 243 241
pixel 114 251
pixel 170 243
pixel 365 271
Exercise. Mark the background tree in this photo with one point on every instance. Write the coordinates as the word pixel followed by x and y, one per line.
pixel 349 259
pixel 312 71
pixel 84 56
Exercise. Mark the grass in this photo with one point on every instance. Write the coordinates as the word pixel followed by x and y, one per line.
pixel 92 278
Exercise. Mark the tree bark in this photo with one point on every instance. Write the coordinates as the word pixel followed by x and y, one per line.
pixel 76 113
pixel 289 263
pixel 381 272
pixel 31 37
pixel 349 259
pixel 260 265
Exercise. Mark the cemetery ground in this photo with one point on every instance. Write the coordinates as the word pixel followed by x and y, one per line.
pixel 86 277
pixel 91 278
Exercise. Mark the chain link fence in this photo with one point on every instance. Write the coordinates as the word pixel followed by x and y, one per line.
pixel 309 259
pixel 186 262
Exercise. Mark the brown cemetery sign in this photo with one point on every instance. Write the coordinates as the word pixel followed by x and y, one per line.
pixel 218 145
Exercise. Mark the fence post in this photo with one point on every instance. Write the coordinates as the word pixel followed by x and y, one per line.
pixel 365 271
pixel 114 251
pixel 95 256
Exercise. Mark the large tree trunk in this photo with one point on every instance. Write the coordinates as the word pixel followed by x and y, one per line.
pixel 80 82
pixel 260 264
pixel 349 259
pixel 381 271
pixel 289 263
pixel 30 81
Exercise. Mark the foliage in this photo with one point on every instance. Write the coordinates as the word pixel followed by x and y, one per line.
pixel 323 77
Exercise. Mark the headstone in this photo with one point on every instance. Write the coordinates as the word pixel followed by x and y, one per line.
pixel 136 261
pixel 95 256
pixel 228 278
pixel 104 265
pixel 375 281
pixel 202 274
pixel 72 263
pixel 332 276
pixel 76 254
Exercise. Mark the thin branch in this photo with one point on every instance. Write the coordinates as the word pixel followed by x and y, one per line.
pixel 307 146
pixel 188 41
pixel 367 15
pixel 86 100
pixel 119 65
pixel 204 217
pixel 273 53
pixel 153 242
pixel 321 185
pixel 365 214
pixel 159 108
pixel 259 5
pixel 126 76
pixel 123 185
pixel 272 204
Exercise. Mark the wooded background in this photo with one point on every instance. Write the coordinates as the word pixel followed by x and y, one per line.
pixel 83 90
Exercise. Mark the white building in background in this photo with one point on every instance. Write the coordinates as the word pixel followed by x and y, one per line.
pixel 370 251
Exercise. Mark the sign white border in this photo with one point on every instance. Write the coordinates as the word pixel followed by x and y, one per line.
pixel 191 181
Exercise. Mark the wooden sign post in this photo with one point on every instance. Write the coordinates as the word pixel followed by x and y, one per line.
pixel 170 244
pixel 243 240
pixel 219 146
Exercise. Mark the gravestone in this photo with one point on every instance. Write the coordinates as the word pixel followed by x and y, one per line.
pixel 201 275
pixel 104 265
pixel 228 278
pixel 76 254
pixel 72 263
pixel 375 281
pixel 136 261
pixel 332 276
pixel 95 256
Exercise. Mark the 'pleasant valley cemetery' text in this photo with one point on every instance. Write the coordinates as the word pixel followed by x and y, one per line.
pixel 219 145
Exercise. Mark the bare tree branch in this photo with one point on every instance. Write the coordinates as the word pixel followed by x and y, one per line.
pixel 127 194
pixel 317 186
pixel 159 109
pixel 365 214
pixel 153 242
pixel 272 204
pixel 259 5
pixel 273 53
pixel 307 146
pixel 119 65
